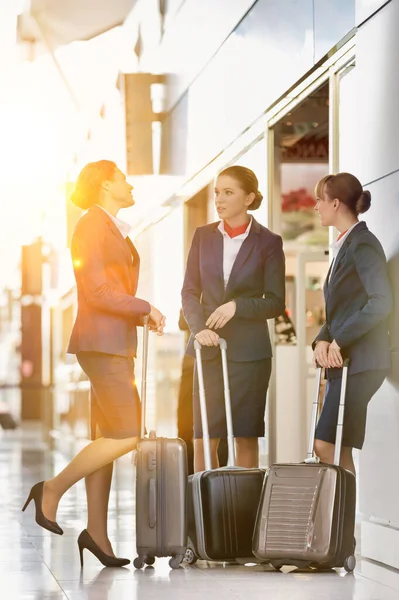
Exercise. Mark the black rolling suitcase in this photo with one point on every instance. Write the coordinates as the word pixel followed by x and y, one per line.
pixel 161 491
pixel 222 503
pixel 307 512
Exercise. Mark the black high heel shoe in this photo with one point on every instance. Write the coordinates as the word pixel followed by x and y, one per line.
pixel 36 494
pixel 86 541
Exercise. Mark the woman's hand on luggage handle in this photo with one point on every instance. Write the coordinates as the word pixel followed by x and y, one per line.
pixel 157 321
pixel 334 358
pixel 206 337
pixel 222 315
pixel 320 354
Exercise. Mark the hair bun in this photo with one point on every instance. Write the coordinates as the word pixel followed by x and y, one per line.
pixel 256 202
pixel 364 202
pixel 80 199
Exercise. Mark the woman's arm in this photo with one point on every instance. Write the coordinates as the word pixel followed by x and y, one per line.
pixel 192 289
pixel 372 270
pixel 323 336
pixel 273 302
pixel 88 263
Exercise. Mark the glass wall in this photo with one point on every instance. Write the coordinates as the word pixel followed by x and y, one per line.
pixel 333 19
pixel 271 48
pixel 161 249
pixel 255 159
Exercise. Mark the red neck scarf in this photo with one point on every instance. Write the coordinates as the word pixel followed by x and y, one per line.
pixel 341 235
pixel 232 232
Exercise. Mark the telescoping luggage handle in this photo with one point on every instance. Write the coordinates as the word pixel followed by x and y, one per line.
pixel 227 400
pixel 146 330
pixel 341 412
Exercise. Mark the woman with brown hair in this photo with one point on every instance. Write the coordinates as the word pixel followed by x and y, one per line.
pixel 358 301
pixel 234 283
pixel 104 338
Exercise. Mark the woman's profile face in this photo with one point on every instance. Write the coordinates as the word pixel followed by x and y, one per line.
pixel 325 207
pixel 230 199
pixel 120 189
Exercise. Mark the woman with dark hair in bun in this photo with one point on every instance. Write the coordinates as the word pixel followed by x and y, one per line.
pixel 234 282
pixel 358 301
pixel 104 339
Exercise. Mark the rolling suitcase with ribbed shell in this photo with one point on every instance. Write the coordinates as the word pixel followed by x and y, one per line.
pixel 161 490
pixel 222 503
pixel 306 515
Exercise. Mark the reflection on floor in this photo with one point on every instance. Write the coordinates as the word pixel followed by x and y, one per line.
pixel 37 565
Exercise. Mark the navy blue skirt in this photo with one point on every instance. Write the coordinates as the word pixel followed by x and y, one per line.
pixel 248 382
pixel 361 387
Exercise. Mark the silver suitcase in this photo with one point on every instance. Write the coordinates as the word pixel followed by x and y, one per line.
pixel 161 489
pixel 306 515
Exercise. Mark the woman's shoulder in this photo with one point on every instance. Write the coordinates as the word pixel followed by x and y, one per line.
pixel 365 237
pixel 205 230
pixel 90 220
pixel 269 235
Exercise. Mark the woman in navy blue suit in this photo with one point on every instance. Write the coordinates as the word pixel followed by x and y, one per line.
pixel 234 282
pixel 358 301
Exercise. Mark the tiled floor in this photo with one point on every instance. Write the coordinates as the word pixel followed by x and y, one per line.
pixel 36 565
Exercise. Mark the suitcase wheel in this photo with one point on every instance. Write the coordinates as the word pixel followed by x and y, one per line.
pixel 176 561
pixel 150 560
pixel 139 562
pixel 276 565
pixel 189 557
pixel 350 563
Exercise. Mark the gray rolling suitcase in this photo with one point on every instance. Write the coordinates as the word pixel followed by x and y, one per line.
pixel 222 503
pixel 306 515
pixel 161 488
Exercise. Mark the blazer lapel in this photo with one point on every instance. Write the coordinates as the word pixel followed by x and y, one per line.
pixel 121 240
pixel 135 264
pixel 243 255
pixel 327 280
pixel 335 265
pixel 217 254
pixel 113 228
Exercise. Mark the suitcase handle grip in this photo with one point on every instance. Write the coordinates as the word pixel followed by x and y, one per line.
pixel 315 413
pixel 153 503
pixel 341 412
pixel 146 331
pixel 227 399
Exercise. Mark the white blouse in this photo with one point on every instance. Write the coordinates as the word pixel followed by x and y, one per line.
pixel 231 247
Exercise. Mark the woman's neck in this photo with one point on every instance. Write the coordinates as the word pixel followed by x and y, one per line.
pixel 238 221
pixel 109 205
pixel 346 222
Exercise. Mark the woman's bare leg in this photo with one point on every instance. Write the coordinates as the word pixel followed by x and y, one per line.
pixel 247 452
pixel 325 451
pixel 199 460
pixel 98 486
pixel 347 459
pixel 93 457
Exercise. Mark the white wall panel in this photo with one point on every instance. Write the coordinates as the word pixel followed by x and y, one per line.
pixel 378 480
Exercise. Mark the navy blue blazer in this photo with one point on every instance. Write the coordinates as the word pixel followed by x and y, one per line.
pixel 106 268
pixel 257 284
pixel 358 301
